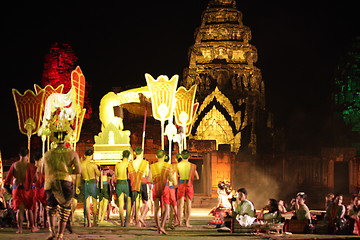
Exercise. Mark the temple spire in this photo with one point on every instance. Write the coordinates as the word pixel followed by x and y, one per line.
pixel 230 87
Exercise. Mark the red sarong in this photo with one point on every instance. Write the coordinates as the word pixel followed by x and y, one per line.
pixel 186 187
pixel 24 195
pixel 172 193
pixel 21 196
pixel 185 190
pixel 41 195
pixel 160 173
pixel 165 197
pixel 40 192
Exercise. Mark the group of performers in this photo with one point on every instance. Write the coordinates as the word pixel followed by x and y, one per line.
pixel 48 184
pixel 136 184
pixel 53 184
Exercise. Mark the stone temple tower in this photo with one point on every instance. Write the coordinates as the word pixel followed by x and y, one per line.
pixel 230 89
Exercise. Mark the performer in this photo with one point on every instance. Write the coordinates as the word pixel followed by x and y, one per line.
pixel 40 199
pixel 76 179
pixel 160 174
pixel 138 170
pixel 187 173
pixel 59 164
pixel 174 216
pixel 122 188
pixel 224 206
pixel 22 175
pixel 90 173
pixel 104 195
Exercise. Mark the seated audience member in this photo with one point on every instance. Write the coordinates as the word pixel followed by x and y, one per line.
pixel 293 201
pixel 245 210
pixel 335 215
pixel 301 209
pixel 329 198
pixel 302 212
pixel 281 206
pixel 273 215
pixel 353 214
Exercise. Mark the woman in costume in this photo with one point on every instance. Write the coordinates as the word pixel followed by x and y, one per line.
pixel 224 205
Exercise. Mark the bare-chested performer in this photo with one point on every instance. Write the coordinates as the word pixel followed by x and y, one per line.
pixel 138 170
pixel 90 173
pixel 59 164
pixel 104 194
pixel 174 215
pixel 40 194
pixel 123 188
pixel 160 175
pixel 22 175
pixel 187 174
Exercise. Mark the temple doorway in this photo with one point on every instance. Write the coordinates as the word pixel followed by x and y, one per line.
pixel 199 184
pixel 341 177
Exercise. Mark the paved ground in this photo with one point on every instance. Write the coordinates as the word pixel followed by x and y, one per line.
pixel 111 230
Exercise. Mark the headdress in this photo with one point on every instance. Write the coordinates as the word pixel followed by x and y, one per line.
pixel 58 116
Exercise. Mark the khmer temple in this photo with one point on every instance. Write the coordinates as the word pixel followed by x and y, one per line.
pixel 231 91
pixel 231 123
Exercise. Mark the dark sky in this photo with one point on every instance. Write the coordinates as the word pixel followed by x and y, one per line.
pixel 299 44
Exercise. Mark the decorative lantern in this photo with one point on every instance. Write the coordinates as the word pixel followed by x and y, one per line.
pixel 162 98
pixel 185 108
pixel 78 83
pixel 29 107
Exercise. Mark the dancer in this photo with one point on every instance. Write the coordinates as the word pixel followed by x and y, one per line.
pixel 104 195
pixel 59 164
pixel 138 170
pixel 223 208
pixel 160 174
pixel 22 175
pixel 40 195
pixel 187 173
pixel 76 179
pixel 122 188
pixel 90 173
pixel 174 215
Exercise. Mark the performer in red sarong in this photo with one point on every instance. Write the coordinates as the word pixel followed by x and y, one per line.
pixel 160 174
pixel 187 173
pixel 138 171
pixel 39 193
pixel 174 215
pixel 21 175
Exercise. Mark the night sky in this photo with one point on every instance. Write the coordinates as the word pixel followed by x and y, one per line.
pixel 299 45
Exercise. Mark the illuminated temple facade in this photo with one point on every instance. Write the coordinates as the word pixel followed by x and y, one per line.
pixel 233 137
pixel 230 89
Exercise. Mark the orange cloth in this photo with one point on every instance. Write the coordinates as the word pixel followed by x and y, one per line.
pixel 136 177
pixel 160 172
